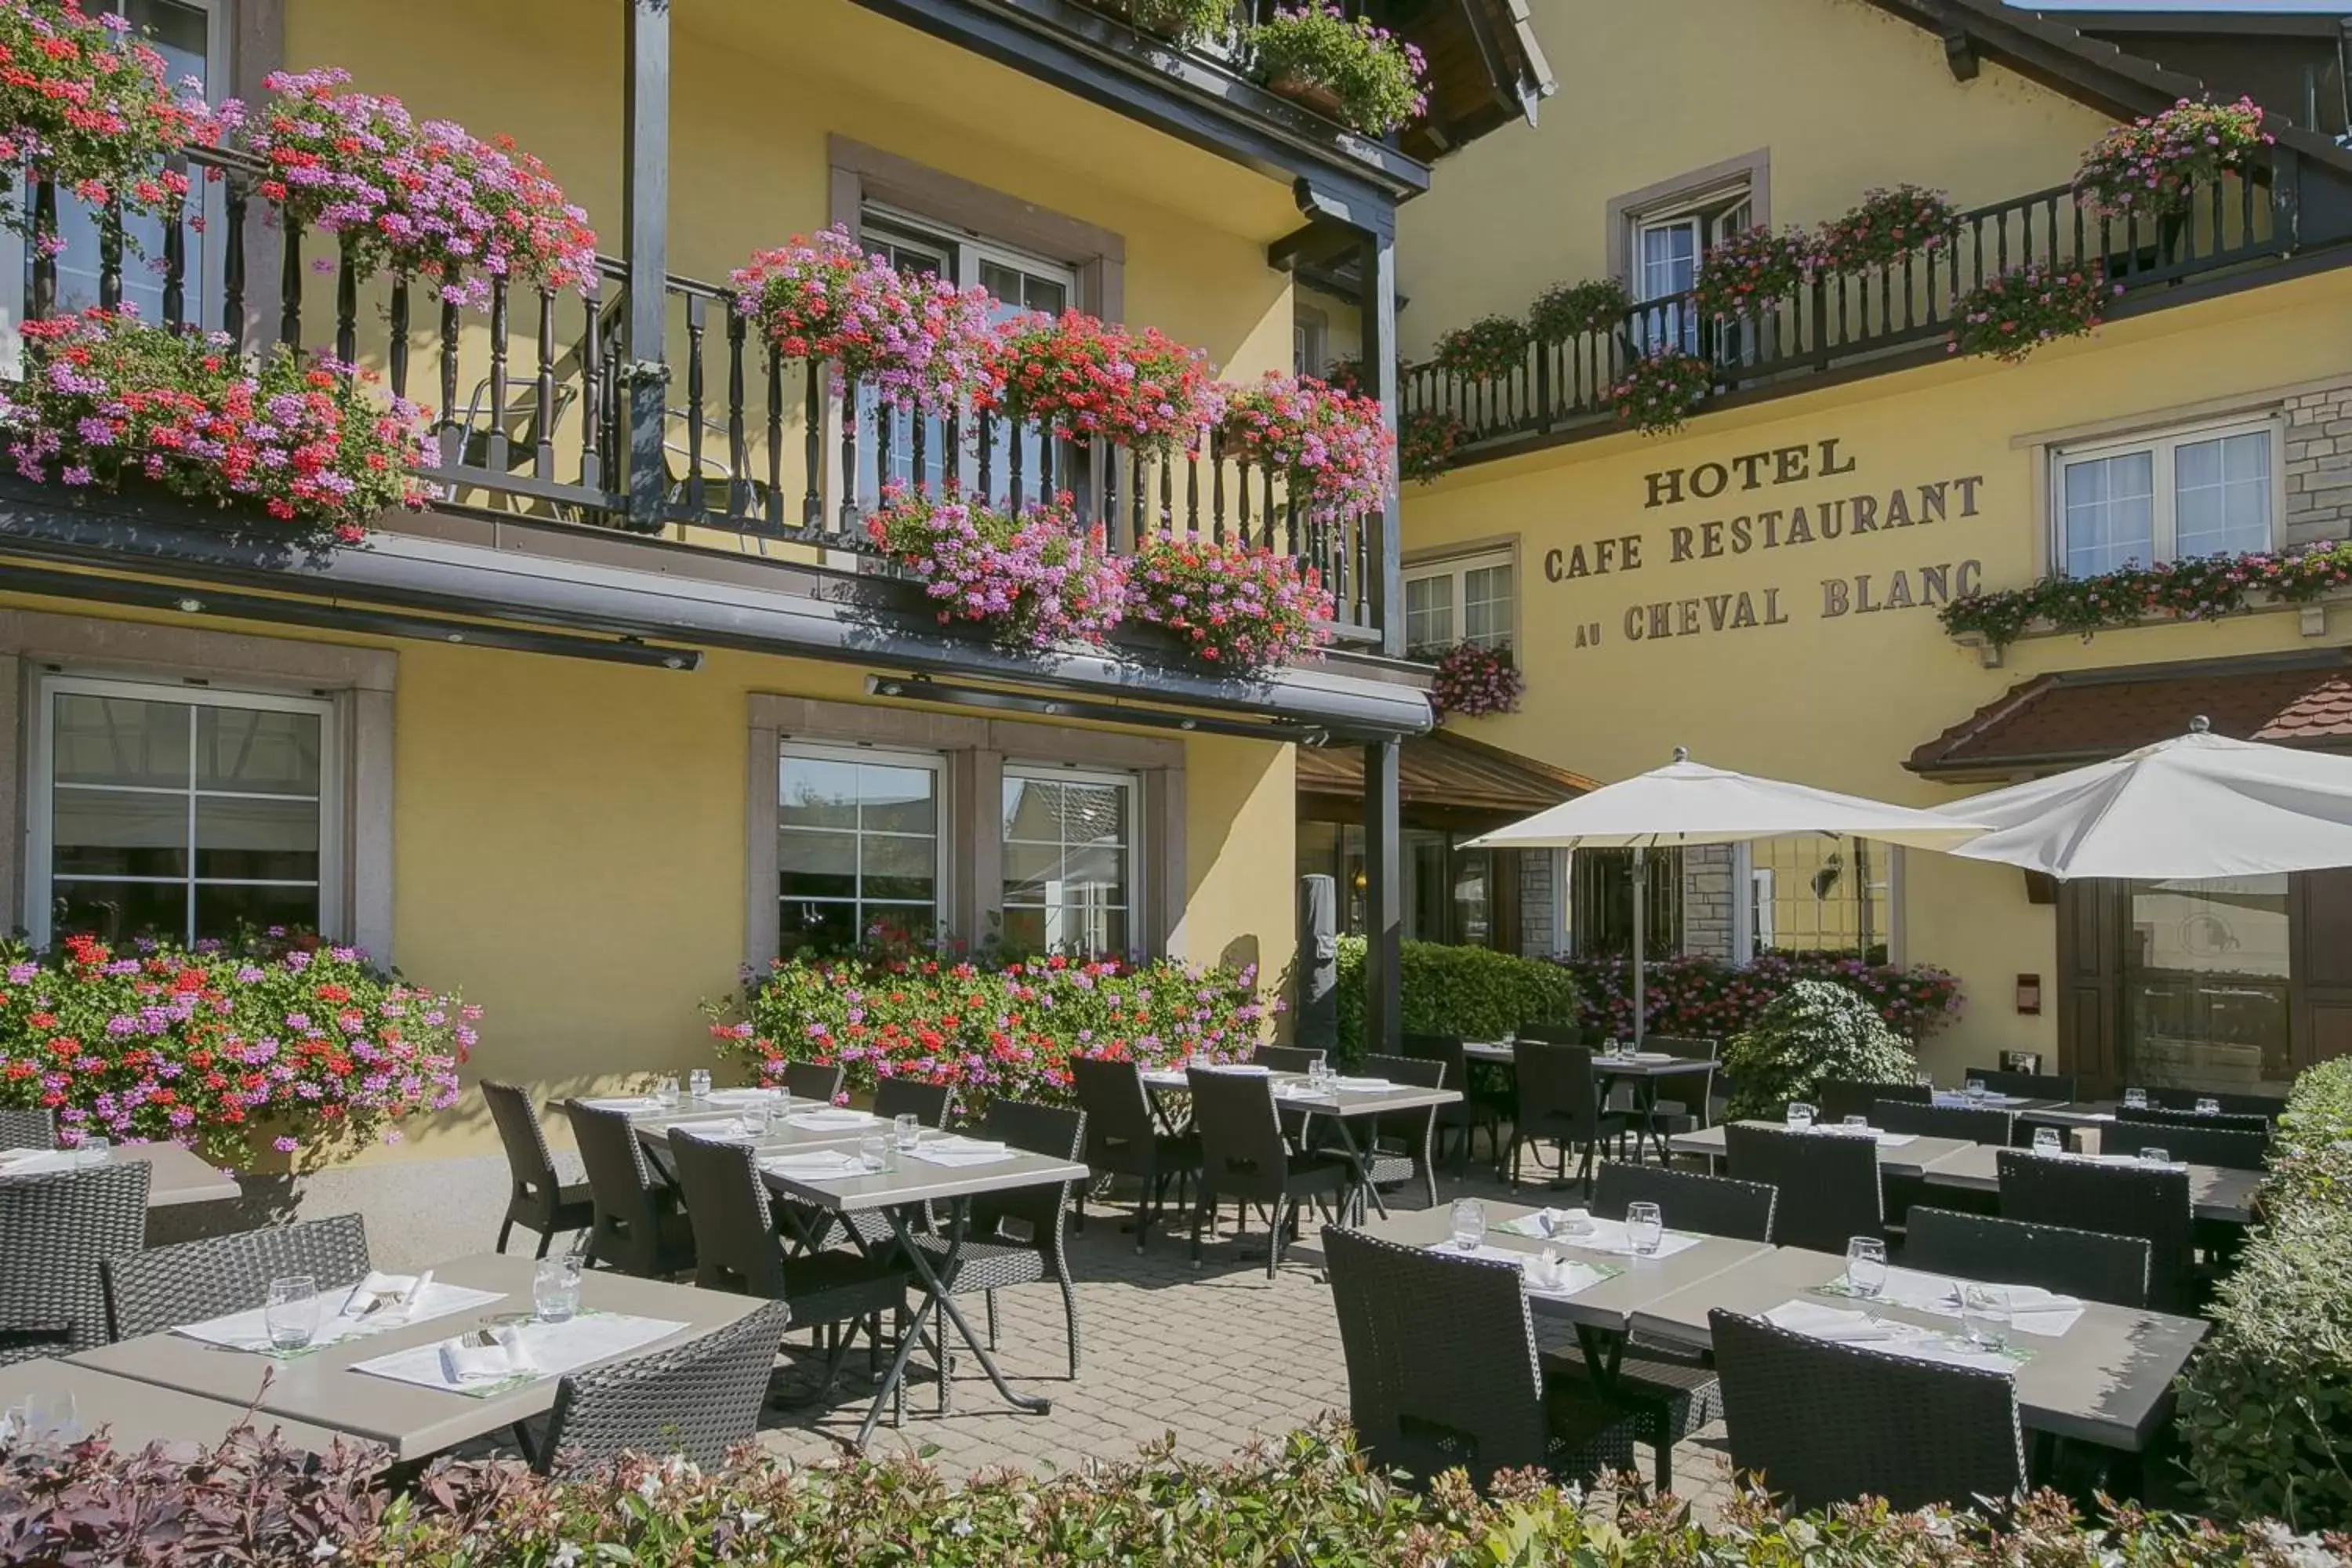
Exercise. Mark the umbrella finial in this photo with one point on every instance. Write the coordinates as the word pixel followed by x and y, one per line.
pixel 1682 753
pixel 2200 725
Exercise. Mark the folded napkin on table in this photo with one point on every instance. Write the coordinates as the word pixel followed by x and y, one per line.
pixel 730 1130
pixel 1258 1069
pixel 380 1293
pixel 813 1163
pixel 1829 1324
pixel 956 1150
pixel 738 1096
pixel 635 1105
pixel 1365 1085
pixel 487 1355
pixel 832 1116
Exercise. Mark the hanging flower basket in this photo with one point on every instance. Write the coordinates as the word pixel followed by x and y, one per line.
pixel 1427 439
pixel 1662 391
pixel 2009 316
pixel 2202 588
pixel 1889 226
pixel 1568 311
pixel 1084 378
pixel 1751 269
pixel 1336 443
pixel 915 342
pixel 1237 607
pixel 1363 76
pixel 1474 682
pixel 2154 165
pixel 425 200
pixel 1181 21
pixel 1031 579
pixel 1488 349
pixel 108 402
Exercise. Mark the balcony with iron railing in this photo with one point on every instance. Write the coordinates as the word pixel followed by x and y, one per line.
pixel 1893 316
pixel 533 415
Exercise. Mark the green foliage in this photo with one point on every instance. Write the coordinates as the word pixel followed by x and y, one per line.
pixel 1473 992
pixel 2012 315
pixel 1660 390
pixel 1375 78
pixel 2266 1408
pixel 1186 21
pixel 1568 311
pixel 1814 1031
pixel 2198 588
pixel 1488 349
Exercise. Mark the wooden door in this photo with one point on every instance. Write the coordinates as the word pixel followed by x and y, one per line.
pixel 2319 990
pixel 2090 982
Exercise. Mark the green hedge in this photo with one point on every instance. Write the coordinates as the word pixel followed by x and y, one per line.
pixel 1473 992
pixel 2266 1406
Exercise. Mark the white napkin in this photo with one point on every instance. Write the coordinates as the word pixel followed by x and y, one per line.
pixel 730 1130
pixel 505 1357
pixel 833 1117
pixel 1551 1222
pixel 635 1105
pixel 961 1150
pixel 813 1163
pixel 1819 1323
pixel 391 1296
pixel 1257 1070
pixel 738 1096
pixel 1365 1085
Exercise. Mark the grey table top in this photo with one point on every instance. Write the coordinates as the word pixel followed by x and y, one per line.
pixel 918 1181
pixel 176 1175
pixel 1909 1159
pixel 781 1134
pixel 2214 1192
pixel 1662 1066
pixel 411 1420
pixel 2107 1380
pixel 135 1414
pixel 1607 1305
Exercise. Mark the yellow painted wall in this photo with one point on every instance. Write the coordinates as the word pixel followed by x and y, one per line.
pixel 1843 96
pixel 1841 701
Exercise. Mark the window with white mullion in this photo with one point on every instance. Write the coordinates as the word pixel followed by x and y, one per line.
pixel 2208 491
pixel 1071 881
pixel 1472 600
pixel 860 849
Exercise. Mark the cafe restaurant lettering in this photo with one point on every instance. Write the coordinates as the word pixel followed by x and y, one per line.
pixel 1784 499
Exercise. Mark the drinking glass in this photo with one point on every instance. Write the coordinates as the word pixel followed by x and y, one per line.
pixel 1976 1088
pixel 873 1152
pixel 1855 1124
pixel 43 1418
pixel 1866 1266
pixel 756 1118
pixel 291 1313
pixel 2045 1141
pixel 2136 1098
pixel 1800 1116
pixel 2151 1154
pixel 909 1131
pixel 697 1083
pixel 784 1102
pixel 1925 1080
pixel 1646 1227
pixel 1984 1315
pixel 94 1150
pixel 666 1092
pixel 1469 1224
pixel 555 1289
pixel 2207 1106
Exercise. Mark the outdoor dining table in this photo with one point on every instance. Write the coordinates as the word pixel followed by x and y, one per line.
pixel 2106 1380
pixel 1645 1069
pixel 1341 1106
pixel 320 1389
pixel 1899 1154
pixel 2215 1192
pixel 177 1175
pixel 901 1195
pixel 134 1413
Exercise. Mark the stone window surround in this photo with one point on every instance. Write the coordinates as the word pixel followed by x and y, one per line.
pixel 358 680
pixel 976 750
pixel 1626 211
pixel 1507 544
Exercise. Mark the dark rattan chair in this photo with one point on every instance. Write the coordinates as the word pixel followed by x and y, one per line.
pixel 2218 1146
pixel 147 1292
pixel 737 1250
pixel 1124 1139
pixel 1442 1370
pixel 2027 1085
pixel 2083 1263
pixel 637 1224
pixel 539 1201
pixel 1713 1205
pixel 1471 1113
pixel 1838 1098
pixel 1828 1183
pixel 1559 1100
pixel 1559 1032
pixel 929 1103
pixel 1969 1123
pixel 2222 1121
pixel 57 1231
pixel 700 1400
pixel 1682 1102
pixel 1401 1147
pixel 2266 1106
pixel 1245 1158
pixel 28 1129
pixel 1822 1423
pixel 2148 1202
pixel 818 1081
pixel 1285 1058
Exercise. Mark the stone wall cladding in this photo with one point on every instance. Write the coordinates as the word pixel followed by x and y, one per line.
pixel 1539 894
pixel 1707 870
pixel 2320 465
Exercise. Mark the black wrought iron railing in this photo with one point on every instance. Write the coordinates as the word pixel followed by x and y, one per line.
pixel 1837 322
pixel 529 406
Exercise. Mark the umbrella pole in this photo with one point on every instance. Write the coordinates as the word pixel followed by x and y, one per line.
pixel 1641 898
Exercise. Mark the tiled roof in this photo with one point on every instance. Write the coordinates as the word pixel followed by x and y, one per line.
pixel 2079 716
pixel 1439 769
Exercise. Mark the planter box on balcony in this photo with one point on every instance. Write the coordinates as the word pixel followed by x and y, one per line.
pixel 2313 613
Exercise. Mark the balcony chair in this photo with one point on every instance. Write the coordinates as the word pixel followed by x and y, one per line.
pixel 538 1202
pixel 61 1228
pixel 163 1287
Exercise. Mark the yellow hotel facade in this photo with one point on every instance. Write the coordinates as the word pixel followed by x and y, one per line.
pixel 1764 585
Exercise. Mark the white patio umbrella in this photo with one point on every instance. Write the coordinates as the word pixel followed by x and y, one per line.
pixel 1685 803
pixel 2191 808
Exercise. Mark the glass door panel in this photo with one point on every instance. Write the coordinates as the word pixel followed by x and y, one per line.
pixel 2205 984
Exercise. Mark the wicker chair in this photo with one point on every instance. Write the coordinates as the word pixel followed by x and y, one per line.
pixel 59 1231
pixel 1713 1205
pixel 1822 1423
pixel 700 1400
pixel 28 1129
pixel 147 1292
pixel 1245 1158
pixel 1124 1139
pixel 2148 1201
pixel 1401 1146
pixel 638 1224
pixel 2080 1263
pixel 737 1250
pixel 1472 1114
pixel 1552 1034
pixel 1968 1124
pixel 1838 1098
pixel 1682 1101
pixel 1829 1184
pixel 995 1256
pixel 816 1081
pixel 2062 1086
pixel 1559 1099
pixel 1286 1058
pixel 2223 1120
pixel 2266 1106
pixel 538 1202
pixel 1442 1370
pixel 928 1103
pixel 2219 1146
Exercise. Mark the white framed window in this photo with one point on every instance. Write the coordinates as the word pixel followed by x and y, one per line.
pixel 181 812
pixel 1761 897
pixel 1669 243
pixel 1308 333
pixel 861 843
pixel 1071 861
pixel 1471 598
pixel 2213 490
